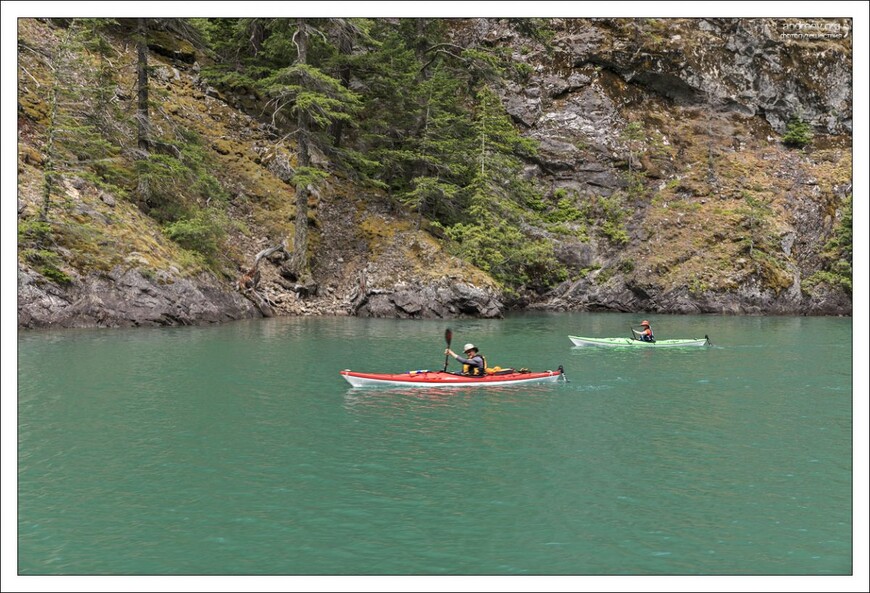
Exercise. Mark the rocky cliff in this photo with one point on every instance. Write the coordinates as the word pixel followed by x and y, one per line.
pixel 680 122
pixel 666 134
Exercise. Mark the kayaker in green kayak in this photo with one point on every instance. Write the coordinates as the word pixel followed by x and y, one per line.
pixel 474 365
pixel 646 333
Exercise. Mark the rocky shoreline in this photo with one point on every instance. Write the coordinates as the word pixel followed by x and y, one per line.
pixel 127 298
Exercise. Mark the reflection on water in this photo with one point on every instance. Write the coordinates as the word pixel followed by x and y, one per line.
pixel 356 396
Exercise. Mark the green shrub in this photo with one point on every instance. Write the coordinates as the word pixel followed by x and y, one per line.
pixel 829 278
pixel 625 266
pixel 508 255
pixel 565 211
pixel 55 275
pixel 697 287
pixel 614 231
pixel 162 180
pixel 613 212
pixel 47 263
pixel 203 233
pixel 837 254
pixel 35 232
pixel 797 133
pixel 604 276
pixel 523 71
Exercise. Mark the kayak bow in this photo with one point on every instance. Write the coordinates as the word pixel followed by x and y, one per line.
pixel 428 378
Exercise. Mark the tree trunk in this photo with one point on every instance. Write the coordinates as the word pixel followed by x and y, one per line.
pixel 142 121
pixel 59 66
pixel 258 33
pixel 49 180
pixel 299 259
pixel 345 48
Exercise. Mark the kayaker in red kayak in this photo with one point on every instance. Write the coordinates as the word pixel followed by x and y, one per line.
pixel 474 365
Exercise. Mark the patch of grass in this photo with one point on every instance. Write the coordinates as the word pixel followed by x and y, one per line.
pixel 697 286
pixel 827 278
pixel 772 272
pixel 90 246
pixel 379 231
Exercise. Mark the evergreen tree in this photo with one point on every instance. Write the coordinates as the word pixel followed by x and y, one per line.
pixel 427 124
pixel 317 101
pixel 157 160
pixel 502 203
pixel 797 133
pixel 77 99
pixel 440 167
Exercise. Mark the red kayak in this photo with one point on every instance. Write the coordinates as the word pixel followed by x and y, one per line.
pixel 426 378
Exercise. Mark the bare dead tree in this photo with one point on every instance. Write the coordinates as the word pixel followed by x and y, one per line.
pixel 249 281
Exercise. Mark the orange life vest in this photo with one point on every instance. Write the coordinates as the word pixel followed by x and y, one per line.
pixel 474 371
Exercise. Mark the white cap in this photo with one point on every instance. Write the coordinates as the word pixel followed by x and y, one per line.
pixel 469 347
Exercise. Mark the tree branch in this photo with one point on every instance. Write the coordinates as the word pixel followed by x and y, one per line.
pixel 438 46
pixel 439 52
pixel 31 76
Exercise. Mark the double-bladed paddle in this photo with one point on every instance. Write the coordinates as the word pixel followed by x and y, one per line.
pixel 448 335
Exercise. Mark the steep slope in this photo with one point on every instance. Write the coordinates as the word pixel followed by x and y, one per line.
pixel 99 261
pixel 668 184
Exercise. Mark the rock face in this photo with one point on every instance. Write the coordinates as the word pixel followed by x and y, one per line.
pixel 125 298
pixel 709 101
pixel 576 107
pixel 751 66
pixel 750 299
pixel 444 299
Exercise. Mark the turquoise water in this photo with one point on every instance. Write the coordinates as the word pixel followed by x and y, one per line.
pixel 239 449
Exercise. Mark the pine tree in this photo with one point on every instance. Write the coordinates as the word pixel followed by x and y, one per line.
pixel 797 133
pixel 77 97
pixel 316 101
pixel 423 122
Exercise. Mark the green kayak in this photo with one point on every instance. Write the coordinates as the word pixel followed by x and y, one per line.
pixel 622 342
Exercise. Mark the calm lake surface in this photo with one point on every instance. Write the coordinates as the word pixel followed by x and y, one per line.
pixel 238 449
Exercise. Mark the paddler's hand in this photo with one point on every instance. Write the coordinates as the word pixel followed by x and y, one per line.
pixel 450 352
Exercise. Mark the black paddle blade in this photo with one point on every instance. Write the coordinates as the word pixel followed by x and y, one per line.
pixel 448 335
